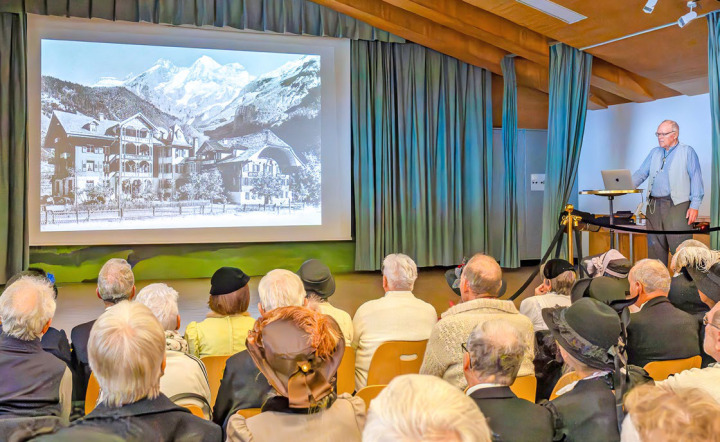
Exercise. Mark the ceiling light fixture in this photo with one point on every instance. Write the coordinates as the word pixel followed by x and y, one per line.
pixel 650 6
pixel 690 16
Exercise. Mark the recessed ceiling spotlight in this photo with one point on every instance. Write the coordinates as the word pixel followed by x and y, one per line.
pixel 650 6
pixel 690 16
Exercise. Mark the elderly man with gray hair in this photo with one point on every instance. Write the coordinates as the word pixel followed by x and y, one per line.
pixel 397 316
pixel 658 331
pixel 493 354
pixel 127 356
pixel 116 283
pixel 34 383
pixel 479 286
pixel 185 380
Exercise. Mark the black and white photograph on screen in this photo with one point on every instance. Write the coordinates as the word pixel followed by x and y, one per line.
pixel 141 137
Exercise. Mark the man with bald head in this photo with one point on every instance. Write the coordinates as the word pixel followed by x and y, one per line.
pixel 479 286
pixel 674 191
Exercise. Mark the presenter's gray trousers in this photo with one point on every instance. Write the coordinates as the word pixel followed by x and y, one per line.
pixel 662 214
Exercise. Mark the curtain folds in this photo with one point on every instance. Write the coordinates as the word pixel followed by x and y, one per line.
pixel 300 17
pixel 509 253
pixel 569 89
pixel 422 139
pixel 13 145
pixel 714 81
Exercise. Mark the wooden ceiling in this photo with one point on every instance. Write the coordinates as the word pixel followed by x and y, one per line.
pixel 659 64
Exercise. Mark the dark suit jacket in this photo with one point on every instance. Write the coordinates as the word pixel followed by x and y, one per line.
pixel 660 332
pixel 145 420
pixel 81 367
pixel 586 413
pixel 512 418
pixel 55 342
pixel 684 295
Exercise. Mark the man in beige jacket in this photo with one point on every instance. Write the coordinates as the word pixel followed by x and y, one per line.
pixel 479 284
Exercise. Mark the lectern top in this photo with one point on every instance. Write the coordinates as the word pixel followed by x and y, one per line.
pixel 609 192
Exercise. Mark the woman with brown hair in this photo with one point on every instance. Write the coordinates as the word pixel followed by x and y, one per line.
pixel 299 351
pixel 226 327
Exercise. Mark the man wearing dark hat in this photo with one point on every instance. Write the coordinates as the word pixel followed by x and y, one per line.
pixel 587 334
pixel 703 267
pixel 657 330
pixel 683 292
pixel 558 279
pixel 320 285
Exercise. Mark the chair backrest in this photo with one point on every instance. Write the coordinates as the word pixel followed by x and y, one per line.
pixel 566 379
pixel 661 370
pixel 369 393
pixel 525 387
pixel 394 358
pixel 249 412
pixel 346 372
pixel 195 410
pixel 215 366
pixel 91 394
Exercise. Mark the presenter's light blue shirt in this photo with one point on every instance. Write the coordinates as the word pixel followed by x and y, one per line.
pixel 661 185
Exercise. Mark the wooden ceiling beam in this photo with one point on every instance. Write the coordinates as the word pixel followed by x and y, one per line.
pixel 618 81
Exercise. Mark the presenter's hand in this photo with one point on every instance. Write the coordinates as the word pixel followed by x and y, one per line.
pixel 691 215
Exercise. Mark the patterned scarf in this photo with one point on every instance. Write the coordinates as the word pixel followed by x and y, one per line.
pixel 175 342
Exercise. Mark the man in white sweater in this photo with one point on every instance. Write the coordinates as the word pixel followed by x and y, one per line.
pixel 479 284
pixel 398 316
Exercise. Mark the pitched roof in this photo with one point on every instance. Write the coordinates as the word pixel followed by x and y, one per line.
pixel 78 125
pixel 256 144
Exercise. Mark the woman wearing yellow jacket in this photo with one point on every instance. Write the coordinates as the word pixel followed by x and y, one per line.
pixel 228 323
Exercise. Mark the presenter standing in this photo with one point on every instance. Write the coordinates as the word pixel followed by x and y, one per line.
pixel 674 191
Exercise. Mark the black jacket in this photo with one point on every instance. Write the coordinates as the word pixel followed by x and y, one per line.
pixel 586 413
pixel 512 418
pixel 145 420
pixel 242 386
pixel 684 295
pixel 55 342
pixel 81 367
pixel 660 332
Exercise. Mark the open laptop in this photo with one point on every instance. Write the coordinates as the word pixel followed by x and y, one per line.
pixel 617 179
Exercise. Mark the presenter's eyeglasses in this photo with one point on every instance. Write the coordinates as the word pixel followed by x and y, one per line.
pixel 665 134
pixel 706 321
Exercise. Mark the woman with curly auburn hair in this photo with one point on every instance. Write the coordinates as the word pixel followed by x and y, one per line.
pixel 299 351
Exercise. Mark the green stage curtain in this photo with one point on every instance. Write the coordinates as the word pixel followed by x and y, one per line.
pixel 422 140
pixel 13 145
pixel 509 254
pixel 714 80
pixel 569 88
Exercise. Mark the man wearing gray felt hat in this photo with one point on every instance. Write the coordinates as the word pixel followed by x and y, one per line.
pixel 320 285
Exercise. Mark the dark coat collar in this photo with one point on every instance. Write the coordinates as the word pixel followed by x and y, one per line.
pixel 160 404
pixel 655 301
pixel 493 393
pixel 7 342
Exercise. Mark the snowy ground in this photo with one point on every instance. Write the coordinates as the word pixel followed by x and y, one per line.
pixel 310 216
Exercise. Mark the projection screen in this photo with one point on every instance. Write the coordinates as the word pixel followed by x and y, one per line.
pixel 151 134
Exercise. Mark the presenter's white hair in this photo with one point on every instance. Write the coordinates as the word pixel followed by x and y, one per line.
pixel 652 274
pixel 400 271
pixel 126 350
pixel 26 306
pixel 115 281
pixel 422 408
pixel 281 288
pixel 162 300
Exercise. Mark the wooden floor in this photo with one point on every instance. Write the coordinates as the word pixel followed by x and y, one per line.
pixel 78 303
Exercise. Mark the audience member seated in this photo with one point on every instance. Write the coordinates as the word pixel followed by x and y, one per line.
pixel 708 378
pixel 587 333
pixel 495 350
pixel 243 385
pixel 656 414
pixel 703 267
pixel 683 292
pixel 127 356
pixel 415 407
pixel 226 327
pixel 558 279
pixel 184 380
pixel 479 285
pixel 54 341
pixel 657 331
pixel 398 316
pixel 34 382
pixel 116 283
pixel 299 351
pixel 319 286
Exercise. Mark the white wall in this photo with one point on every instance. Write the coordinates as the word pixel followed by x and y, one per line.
pixel 621 136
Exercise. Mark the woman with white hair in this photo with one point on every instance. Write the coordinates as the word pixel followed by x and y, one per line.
pixel 683 292
pixel 127 356
pixel 185 380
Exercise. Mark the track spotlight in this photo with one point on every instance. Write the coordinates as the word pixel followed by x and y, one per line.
pixel 650 6
pixel 690 16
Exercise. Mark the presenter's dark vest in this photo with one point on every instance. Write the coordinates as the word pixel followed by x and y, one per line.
pixel 30 378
